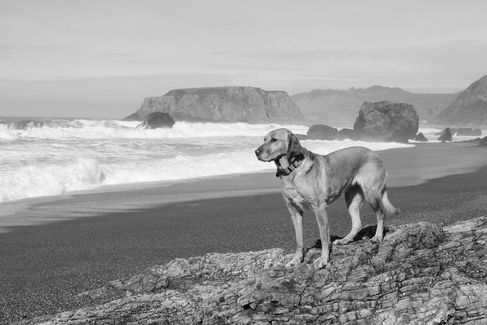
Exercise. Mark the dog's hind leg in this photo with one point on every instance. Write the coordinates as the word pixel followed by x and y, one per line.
pixel 353 197
pixel 374 199
pixel 385 208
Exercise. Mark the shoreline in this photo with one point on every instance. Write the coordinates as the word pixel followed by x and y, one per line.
pixel 405 166
pixel 80 243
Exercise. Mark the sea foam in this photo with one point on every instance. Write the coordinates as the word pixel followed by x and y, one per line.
pixel 63 156
pixel 93 129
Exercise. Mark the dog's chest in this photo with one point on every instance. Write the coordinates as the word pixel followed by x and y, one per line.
pixel 299 191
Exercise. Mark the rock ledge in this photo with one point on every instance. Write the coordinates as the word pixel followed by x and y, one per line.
pixel 420 274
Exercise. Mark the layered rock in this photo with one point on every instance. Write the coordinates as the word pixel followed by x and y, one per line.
pixel 223 104
pixel 469 108
pixel 420 274
pixel 386 121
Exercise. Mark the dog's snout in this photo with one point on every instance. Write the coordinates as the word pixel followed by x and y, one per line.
pixel 258 151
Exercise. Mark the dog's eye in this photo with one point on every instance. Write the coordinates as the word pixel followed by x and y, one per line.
pixel 273 140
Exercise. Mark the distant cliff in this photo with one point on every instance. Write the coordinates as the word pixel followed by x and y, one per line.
pixel 335 107
pixel 223 104
pixel 469 108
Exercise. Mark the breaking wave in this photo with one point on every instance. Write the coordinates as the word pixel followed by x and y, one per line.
pixel 95 129
pixel 80 171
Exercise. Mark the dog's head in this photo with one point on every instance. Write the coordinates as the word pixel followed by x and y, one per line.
pixel 277 144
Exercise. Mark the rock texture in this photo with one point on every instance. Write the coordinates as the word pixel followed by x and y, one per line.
pixel 420 274
pixel 386 121
pixel 322 132
pixel 223 104
pixel 335 107
pixel 157 120
pixel 446 135
pixel 469 108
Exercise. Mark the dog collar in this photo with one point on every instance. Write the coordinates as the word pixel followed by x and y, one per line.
pixel 293 164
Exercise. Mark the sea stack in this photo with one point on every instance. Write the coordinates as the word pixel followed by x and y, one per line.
pixel 223 104
pixel 386 121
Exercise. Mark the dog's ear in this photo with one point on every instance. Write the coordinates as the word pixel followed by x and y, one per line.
pixel 294 147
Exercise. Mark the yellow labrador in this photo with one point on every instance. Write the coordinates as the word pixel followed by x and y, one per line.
pixel 314 181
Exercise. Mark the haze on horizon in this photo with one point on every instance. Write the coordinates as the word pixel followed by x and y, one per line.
pixel 64 58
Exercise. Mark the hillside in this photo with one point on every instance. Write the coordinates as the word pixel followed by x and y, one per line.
pixel 338 107
pixel 469 108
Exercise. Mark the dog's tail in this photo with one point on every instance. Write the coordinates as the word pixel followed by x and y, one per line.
pixel 386 205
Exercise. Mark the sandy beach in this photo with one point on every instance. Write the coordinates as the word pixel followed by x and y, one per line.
pixel 52 250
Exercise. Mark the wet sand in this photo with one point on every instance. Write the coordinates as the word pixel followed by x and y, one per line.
pixel 66 246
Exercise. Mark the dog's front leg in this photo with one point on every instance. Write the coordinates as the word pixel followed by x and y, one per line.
pixel 297 218
pixel 322 219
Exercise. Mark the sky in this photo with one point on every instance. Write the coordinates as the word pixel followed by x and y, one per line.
pixel 91 58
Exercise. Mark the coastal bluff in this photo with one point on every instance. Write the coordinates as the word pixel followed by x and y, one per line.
pixel 420 274
pixel 222 104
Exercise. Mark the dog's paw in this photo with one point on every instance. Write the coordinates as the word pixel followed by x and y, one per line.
pixel 376 239
pixel 320 263
pixel 296 260
pixel 342 241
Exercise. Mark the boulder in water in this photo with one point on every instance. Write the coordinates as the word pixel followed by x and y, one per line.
pixel 420 137
pixel 157 120
pixel 322 132
pixel 446 136
pixel 386 121
pixel 346 134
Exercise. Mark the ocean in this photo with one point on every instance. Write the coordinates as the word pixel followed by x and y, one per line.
pixel 57 156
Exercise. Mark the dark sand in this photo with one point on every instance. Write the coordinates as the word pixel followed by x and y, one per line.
pixel 45 265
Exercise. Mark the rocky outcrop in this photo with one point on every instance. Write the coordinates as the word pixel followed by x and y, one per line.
pixel 223 104
pixel 157 120
pixel 469 108
pixel 386 121
pixel 420 274
pixel 322 132
pixel 420 137
pixel 446 136
pixel 346 133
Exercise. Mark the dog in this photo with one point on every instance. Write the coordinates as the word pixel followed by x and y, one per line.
pixel 313 181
